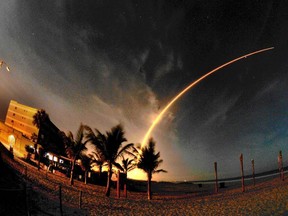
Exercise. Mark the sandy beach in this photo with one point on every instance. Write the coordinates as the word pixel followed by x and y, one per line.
pixel 268 197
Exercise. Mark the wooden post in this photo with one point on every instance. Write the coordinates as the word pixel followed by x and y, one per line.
pixel 80 199
pixel 125 190
pixel 242 173
pixel 280 164
pixel 216 177
pixel 118 184
pixel 253 171
pixel 60 199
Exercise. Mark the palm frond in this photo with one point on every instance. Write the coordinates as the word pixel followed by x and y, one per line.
pixel 128 149
pixel 148 159
pixel 160 170
pixel 118 166
pixel 75 146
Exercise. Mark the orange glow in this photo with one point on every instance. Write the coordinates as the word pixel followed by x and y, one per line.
pixel 137 174
pixel 155 122
pixel 11 140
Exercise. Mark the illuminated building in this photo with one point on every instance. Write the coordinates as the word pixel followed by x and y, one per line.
pixel 16 133
pixel 20 118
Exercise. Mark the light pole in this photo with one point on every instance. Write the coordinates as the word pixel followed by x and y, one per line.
pixel 4 63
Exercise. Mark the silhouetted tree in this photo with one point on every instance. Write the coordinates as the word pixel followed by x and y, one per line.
pixel 49 136
pixel 97 158
pixel 149 161
pixel 128 164
pixel 85 164
pixel 74 147
pixel 110 146
pixel 39 119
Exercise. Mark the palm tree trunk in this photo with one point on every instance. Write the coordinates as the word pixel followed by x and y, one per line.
pixel 72 172
pixel 39 158
pixel 108 186
pixel 125 185
pixel 100 170
pixel 35 153
pixel 86 173
pixel 149 175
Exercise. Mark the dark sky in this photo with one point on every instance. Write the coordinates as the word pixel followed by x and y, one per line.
pixel 108 62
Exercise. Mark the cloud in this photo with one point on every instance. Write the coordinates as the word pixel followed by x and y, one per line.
pixel 165 68
pixel 220 106
pixel 267 89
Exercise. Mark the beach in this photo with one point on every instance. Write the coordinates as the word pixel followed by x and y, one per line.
pixel 268 197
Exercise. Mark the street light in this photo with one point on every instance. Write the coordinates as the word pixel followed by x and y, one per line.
pixel 4 63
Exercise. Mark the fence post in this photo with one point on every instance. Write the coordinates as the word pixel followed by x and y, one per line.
pixel 125 190
pixel 118 184
pixel 80 199
pixel 216 177
pixel 242 173
pixel 280 165
pixel 60 199
pixel 253 171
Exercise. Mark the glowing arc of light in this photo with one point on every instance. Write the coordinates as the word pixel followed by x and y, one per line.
pixel 158 118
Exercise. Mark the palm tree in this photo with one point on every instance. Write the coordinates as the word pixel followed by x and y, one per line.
pixel 97 159
pixel 149 161
pixel 74 147
pixel 85 165
pixel 127 165
pixel 39 119
pixel 110 146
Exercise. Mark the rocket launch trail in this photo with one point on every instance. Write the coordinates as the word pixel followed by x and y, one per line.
pixel 159 117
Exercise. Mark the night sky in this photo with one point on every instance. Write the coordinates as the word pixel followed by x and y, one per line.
pixel 108 62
